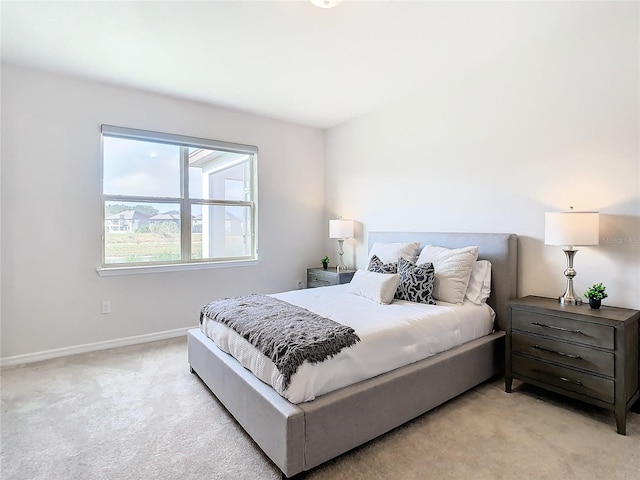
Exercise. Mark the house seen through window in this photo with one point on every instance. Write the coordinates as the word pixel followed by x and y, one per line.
pixel 171 199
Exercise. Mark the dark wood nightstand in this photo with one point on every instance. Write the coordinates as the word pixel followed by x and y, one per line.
pixel 586 354
pixel 318 277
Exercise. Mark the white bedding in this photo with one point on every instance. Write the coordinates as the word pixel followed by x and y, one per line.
pixel 390 336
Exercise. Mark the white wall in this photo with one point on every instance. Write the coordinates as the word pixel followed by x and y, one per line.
pixel 51 293
pixel 553 122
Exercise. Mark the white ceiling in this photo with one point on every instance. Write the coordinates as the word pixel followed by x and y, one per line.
pixel 283 59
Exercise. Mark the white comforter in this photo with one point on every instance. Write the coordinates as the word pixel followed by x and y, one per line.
pixel 390 336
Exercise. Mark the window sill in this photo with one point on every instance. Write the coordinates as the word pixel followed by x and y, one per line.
pixel 113 271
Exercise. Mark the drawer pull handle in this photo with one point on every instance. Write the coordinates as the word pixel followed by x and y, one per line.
pixel 564 379
pixel 575 382
pixel 557 328
pixel 562 354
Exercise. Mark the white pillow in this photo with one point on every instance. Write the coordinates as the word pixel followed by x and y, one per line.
pixel 479 287
pixel 379 287
pixel 391 252
pixel 453 270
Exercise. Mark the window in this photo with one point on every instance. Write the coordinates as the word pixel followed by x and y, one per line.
pixel 169 199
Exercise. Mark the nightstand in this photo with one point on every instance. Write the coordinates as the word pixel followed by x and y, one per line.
pixel 318 277
pixel 574 350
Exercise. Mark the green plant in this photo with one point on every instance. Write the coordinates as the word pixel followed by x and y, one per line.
pixel 325 259
pixel 596 292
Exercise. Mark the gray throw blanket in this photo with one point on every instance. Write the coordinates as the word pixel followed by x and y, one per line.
pixel 289 335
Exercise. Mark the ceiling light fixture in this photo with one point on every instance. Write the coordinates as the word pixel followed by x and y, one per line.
pixel 326 3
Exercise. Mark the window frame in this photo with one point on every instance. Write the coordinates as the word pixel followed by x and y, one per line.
pixel 185 262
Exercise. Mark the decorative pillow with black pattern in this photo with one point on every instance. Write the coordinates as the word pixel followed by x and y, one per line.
pixel 376 265
pixel 416 282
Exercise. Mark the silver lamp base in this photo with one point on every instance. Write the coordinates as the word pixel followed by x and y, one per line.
pixel 567 300
pixel 569 296
pixel 341 265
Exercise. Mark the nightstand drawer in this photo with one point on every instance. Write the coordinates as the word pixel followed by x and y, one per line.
pixel 568 329
pixel 318 282
pixel 323 276
pixel 584 358
pixel 565 378
pixel 318 277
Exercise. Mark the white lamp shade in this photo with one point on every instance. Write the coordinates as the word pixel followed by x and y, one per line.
pixel 571 228
pixel 341 228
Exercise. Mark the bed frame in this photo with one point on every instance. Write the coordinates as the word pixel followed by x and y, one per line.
pixel 300 437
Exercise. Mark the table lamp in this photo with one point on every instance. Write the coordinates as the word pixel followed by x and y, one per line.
pixel 571 229
pixel 341 230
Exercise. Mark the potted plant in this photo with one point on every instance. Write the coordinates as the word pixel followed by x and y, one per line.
pixel 325 262
pixel 595 294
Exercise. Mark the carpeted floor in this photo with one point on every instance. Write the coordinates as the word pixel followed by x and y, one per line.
pixel 137 413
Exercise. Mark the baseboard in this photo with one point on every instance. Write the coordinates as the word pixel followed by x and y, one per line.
pixel 91 347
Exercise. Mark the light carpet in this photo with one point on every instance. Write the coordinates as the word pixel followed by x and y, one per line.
pixel 137 413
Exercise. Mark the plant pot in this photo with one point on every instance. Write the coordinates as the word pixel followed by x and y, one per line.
pixel 325 266
pixel 595 304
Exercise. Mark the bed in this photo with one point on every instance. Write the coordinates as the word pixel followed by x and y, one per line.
pixel 299 437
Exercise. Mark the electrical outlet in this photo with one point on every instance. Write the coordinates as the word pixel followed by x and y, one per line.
pixel 106 306
pixel 300 285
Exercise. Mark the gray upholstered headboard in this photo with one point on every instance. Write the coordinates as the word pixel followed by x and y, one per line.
pixel 501 249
